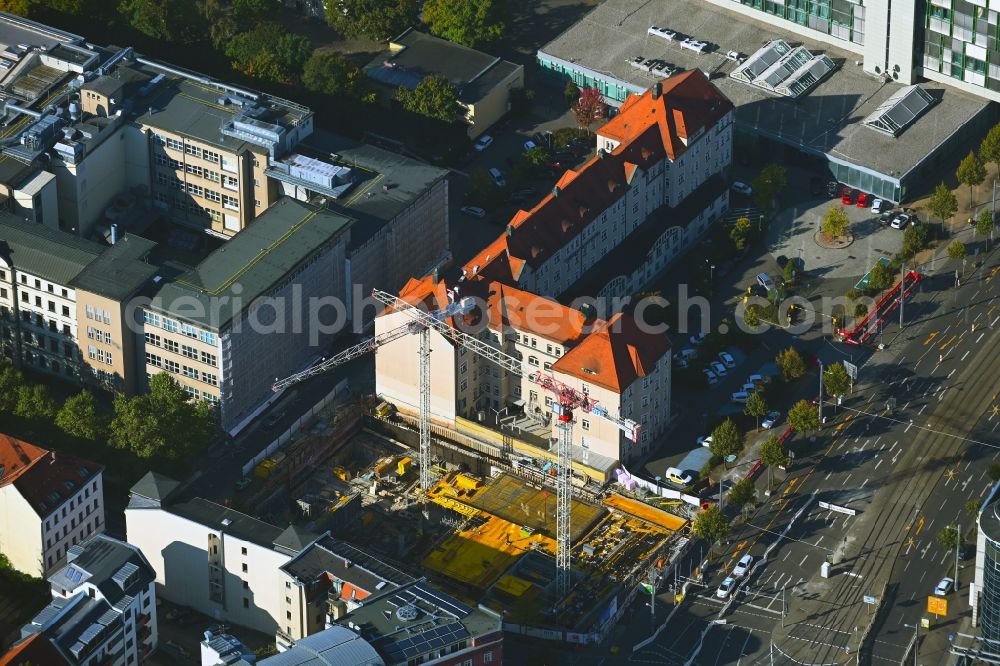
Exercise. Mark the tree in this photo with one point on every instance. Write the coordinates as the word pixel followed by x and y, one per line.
pixel 789 272
pixel 804 417
pixel 169 20
pixel 740 233
pixel 742 493
pixel 34 403
pixel 768 185
pixel 942 203
pixel 726 439
pixel 993 471
pixel 332 74
pixel 433 97
pixel 589 108
pixel 80 417
pixel 835 222
pixel 571 92
pixel 773 455
pixel 948 537
pixel 880 277
pixel 915 238
pixel 971 172
pixel 221 24
pixel 756 406
pixel 148 424
pixel 710 524
pixel 376 19
pixel 464 22
pixel 957 251
pixel 751 317
pixel 984 224
pixel 836 381
pixel 268 51
pixel 19 7
pixel 11 380
pixel 972 507
pixel 536 157
pixel 791 364
pixel 248 11
pixel 989 149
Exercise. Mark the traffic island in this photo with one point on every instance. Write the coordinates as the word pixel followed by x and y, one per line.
pixel 835 243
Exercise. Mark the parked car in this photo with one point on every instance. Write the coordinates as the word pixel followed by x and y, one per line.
pixel 771 420
pixel 482 143
pixel 698 338
pixel 863 200
pixel 678 477
pixel 880 206
pixel 900 221
pixel 528 145
pixel 944 587
pixel 727 359
pixel 680 362
pixel 740 397
pixel 687 354
pixel 726 588
pixel 473 211
pixel 749 387
pixel 718 368
pixel 742 188
pixel 710 376
pixel 742 567
pixel 764 280
pixel 759 380
pixel 885 218
pixel 705 440
pixel 832 188
pixel 497 176
pixel 847 197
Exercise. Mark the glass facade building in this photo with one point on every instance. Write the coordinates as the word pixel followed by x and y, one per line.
pixel 841 19
pixel 961 41
pixel 988 570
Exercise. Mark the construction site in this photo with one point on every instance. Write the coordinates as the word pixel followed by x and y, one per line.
pixel 486 531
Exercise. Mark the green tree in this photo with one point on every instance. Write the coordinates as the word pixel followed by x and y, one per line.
pixel 943 203
pixel 19 7
pixel 219 19
pixel 80 417
pixel 773 455
pixel 740 233
pixel 768 185
pixel 789 272
pixel 804 417
pixel 726 439
pixel 948 537
pixel 169 20
pixel 710 524
pixel 791 364
pixel 376 19
pixel 332 74
pixel 742 493
pixel 11 380
pixel 268 51
pixel 751 317
pixel 433 97
pixel 989 149
pixel 536 157
pixel 957 251
pixel 34 403
pixel 915 239
pixel 972 507
pixel 756 406
pixel 464 22
pixel 993 471
pixel 148 424
pixel 971 172
pixel 880 278
pixel 571 92
pixel 248 11
pixel 835 222
pixel 836 381
pixel 984 224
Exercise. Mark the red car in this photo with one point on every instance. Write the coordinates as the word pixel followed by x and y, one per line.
pixel 863 200
pixel 847 197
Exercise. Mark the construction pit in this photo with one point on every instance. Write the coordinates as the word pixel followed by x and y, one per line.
pixel 489 540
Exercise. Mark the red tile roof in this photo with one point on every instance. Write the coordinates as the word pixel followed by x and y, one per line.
pixel 524 311
pixel 44 478
pixel 615 354
pixel 648 130
pixel 36 649
pixel 687 102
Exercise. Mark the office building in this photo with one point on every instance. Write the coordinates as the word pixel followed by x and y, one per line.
pixel 215 327
pixel 49 503
pixel 986 607
pixel 103 608
pixel 812 90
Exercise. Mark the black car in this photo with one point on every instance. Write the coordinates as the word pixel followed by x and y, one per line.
pixel 816 186
pixel 833 189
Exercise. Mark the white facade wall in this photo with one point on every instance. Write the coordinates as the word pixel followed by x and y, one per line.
pixel 37 201
pixel 20 532
pixel 180 551
pixel 74 521
pixel 88 187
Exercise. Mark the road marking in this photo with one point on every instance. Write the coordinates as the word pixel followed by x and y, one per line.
pixel 945 501
pixel 846 480
pixel 981 336
pixel 922 576
pixel 920 525
pixel 930 337
pixel 907 429
pixel 818 540
pixel 877 464
pixel 804 558
pixel 863 484
pixel 951 373
pixel 787 553
pixel 922 409
pixel 950 340
pixel 945 558
pixel 907 405
pixel 965 354
pixel 893 446
pixel 827 478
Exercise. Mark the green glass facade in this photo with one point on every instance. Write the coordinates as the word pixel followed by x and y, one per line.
pixel 962 40
pixel 613 90
pixel 842 19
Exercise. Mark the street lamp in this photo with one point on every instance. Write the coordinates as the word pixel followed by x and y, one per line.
pixel 820 400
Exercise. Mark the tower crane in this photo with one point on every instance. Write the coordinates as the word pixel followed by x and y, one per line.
pixel 567 401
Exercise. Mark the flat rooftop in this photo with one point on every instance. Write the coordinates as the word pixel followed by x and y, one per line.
pixel 15 30
pixel 48 253
pixel 826 120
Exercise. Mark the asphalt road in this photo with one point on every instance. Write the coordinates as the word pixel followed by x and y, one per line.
pixel 906 482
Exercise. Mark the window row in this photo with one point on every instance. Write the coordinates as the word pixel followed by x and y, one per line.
pixel 100 355
pixel 176 368
pixel 99 335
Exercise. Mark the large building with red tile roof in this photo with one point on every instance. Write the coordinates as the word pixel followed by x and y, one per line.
pixel 49 502
pixel 665 146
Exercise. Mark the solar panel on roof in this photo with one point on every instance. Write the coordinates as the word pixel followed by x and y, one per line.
pixel 900 110
pixel 779 68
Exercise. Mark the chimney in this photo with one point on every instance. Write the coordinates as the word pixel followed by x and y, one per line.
pixel 347 563
pixel 555 191
pixel 510 230
pixel 657 90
